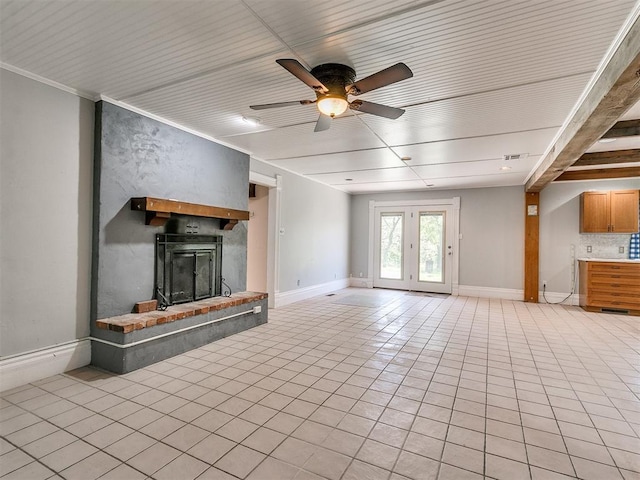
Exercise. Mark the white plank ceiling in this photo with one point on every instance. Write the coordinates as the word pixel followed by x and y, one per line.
pixel 490 77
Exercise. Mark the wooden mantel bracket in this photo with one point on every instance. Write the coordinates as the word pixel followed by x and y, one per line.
pixel 159 210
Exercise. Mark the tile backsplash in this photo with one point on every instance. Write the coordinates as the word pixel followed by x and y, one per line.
pixel 603 245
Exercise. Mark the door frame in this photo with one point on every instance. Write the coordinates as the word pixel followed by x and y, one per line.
pixel 273 239
pixel 453 202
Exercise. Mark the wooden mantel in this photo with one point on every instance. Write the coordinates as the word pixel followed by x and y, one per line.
pixel 159 210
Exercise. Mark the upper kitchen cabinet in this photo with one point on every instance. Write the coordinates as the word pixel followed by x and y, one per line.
pixel 609 212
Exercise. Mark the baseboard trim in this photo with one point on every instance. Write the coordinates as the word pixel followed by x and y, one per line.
pixel 292 296
pixel 490 292
pixel 22 369
pixel 485 292
pixel 361 282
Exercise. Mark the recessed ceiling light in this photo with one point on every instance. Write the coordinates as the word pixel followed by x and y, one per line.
pixel 505 167
pixel 405 159
pixel 348 179
pixel 606 140
pixel 431 185
pixel 253 121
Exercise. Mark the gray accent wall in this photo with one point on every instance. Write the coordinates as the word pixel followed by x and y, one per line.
pixel 492 228
pixel 45 214
pixel 137 156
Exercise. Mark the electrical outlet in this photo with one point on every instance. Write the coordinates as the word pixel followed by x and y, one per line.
pixel 620 249
pixel 589 249
pixel 298 282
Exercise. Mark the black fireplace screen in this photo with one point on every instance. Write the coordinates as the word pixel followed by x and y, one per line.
pixel 188 267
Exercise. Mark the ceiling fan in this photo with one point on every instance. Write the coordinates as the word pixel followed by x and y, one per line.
pixel 334 82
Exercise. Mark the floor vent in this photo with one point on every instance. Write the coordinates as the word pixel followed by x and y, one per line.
pixel 614 310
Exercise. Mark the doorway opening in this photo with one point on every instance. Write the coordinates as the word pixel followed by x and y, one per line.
pixel 262 235
pixel 257 235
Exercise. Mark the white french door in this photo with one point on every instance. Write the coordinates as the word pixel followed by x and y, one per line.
pixel 414 247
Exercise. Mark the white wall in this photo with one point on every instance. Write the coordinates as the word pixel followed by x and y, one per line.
pixel 257 231
pixel 560 229
pixel 314 248
pixel 492 228
pixel 46 151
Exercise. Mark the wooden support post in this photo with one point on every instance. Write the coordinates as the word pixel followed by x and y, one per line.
pixel 531 246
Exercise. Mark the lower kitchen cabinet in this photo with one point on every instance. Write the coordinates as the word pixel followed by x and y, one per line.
pixel 610 286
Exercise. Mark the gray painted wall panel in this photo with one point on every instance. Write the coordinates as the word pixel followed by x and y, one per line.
pixel 142 157
pixel 492 228
pixel 314 248
pixel 560 229
pixel 45 214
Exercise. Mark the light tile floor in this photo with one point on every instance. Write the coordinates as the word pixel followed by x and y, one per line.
pixel 409 387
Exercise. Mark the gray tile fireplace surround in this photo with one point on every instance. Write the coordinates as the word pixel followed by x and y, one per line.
pixel 128 342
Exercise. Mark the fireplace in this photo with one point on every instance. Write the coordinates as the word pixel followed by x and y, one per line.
pixel 188 267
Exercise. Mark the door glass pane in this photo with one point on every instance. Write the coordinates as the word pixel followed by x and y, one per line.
pixel 431 255
pixel 391 230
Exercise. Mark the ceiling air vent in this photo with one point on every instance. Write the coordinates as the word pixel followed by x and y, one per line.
pixel 515 156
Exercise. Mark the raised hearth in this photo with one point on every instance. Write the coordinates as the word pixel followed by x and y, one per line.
pixel 125 343
pixel 137 321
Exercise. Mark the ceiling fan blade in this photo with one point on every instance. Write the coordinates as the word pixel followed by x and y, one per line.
pixel 281 104
pixel 385 77
pixel 297 69
pixel 323 123
pixel 376 109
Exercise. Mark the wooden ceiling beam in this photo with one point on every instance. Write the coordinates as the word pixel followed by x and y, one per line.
pixel 625 128
pixel 613 93
pixel 607 158
pixel 599 173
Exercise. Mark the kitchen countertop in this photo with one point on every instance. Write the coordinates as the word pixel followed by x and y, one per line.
pixel 610 260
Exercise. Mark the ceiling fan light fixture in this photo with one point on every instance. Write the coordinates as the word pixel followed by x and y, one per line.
pixel 332 105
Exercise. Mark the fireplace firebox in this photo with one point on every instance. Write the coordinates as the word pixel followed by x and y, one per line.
pixel 188 267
